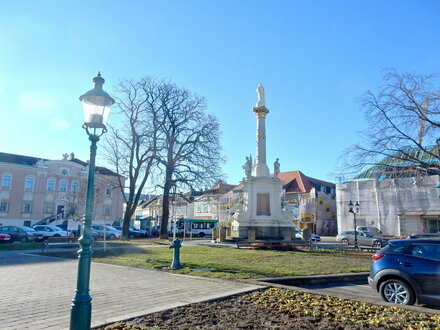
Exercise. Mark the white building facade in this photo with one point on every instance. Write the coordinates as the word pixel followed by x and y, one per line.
pixel 34 190
pixel 399 206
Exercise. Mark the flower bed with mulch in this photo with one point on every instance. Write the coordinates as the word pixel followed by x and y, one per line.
pixel 282 309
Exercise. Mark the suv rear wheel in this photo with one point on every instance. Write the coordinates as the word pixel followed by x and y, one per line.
pixel 344 241
pixel 397 292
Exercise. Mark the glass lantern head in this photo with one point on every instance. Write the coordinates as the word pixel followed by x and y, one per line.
pixel 96 104
pixel 350 207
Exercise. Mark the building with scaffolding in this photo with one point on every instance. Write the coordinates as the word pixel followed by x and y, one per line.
pixel 398 195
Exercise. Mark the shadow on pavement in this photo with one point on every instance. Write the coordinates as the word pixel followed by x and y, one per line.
pixel 13 258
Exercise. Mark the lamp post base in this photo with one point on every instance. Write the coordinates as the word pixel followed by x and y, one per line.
pixel 81 314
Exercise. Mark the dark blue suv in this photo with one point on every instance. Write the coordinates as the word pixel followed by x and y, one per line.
pixel 406 271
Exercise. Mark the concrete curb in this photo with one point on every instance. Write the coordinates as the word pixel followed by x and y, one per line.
pixel 316 279
pixel 162 308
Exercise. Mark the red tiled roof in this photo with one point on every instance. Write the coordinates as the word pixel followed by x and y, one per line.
pixel 296 181
pixel 221 188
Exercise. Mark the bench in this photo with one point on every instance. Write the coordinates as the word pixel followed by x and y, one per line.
pixel 273 245
pixel 59 241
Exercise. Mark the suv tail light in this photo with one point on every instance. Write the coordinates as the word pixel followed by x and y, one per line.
pixel 377 256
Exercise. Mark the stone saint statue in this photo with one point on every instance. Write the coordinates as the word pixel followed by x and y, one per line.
pixel 261 97
pixel 247 167
pixel 276 168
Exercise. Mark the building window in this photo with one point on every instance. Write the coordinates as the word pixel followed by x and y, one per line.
pixel 75 187
pixel 48 208
pixel 63 185
pixel 27 223
pixel 64 171
pixel 108 190
pixel 27 207
pixel 6 180
pixel 199 208
pixel 29 183
pixel 107 210
pixel 50 185
pixel 4 207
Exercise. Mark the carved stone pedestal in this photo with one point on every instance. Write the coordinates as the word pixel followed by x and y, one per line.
pixel 259 216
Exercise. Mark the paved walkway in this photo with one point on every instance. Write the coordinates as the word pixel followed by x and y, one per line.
pixel 36 291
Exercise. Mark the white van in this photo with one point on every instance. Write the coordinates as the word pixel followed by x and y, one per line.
pixel 372 230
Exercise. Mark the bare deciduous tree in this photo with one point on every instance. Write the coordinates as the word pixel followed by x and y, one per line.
pixel 165 129
pixel 130 148
pixel 190 153
pixel 403 126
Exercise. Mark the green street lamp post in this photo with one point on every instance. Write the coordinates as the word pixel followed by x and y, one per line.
pixel 96 107
pixel 355 211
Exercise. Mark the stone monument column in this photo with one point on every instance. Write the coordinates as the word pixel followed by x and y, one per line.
pixel 259 215
pixel 261 168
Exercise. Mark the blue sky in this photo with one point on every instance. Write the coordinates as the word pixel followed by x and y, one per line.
pixel 315 58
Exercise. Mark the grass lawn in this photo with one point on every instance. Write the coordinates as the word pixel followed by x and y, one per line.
pixel 146 241
pixel 230 263
pixel 20 246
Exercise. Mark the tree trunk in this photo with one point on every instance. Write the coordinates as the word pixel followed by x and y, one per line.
pixel 125 226
pixel 126 222
pixel 166 205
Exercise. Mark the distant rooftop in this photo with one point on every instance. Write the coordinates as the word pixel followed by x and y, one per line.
pixel 32 161
pixel 409 162
pixel 18 159
pixel 296 181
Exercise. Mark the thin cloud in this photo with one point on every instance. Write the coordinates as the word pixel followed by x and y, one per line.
pixel 59 124
pixel 36 104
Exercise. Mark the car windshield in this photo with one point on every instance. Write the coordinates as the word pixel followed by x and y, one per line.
pixel 27 229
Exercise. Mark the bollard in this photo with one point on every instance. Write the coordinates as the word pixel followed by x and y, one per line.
pixel 176 245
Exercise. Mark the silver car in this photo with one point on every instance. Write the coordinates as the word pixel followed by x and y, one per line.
pixel 110 232
pixel 363 238
pixel 52 231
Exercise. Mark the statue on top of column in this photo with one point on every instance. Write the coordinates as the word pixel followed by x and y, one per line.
pixel 276 168
pixel 261 97
pixel 247 167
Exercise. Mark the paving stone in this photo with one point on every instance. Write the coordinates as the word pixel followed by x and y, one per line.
pixel 38 290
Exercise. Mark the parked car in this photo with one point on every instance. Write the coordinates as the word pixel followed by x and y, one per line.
pixel 21 233
pixel 315 237
pixel 133 232
pixel 372 230
pixel 366 239
pixel 110 232
pixel 5 238
pixel 51 231
pixel 406 271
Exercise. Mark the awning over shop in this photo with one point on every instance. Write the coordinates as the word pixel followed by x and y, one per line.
pixel 410 212
pixel 419 212
pixel 432 213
